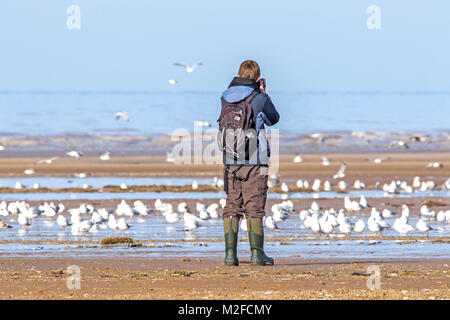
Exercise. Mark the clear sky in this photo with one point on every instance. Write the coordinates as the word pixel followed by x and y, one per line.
pixel 301 45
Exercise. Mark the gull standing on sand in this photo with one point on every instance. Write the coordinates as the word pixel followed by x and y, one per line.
pixel 284 187
pixel 402 227
pixel 23 220
pixel 341 173
pixel 62 221
pixel 123 115
pixel 437 165
pixel 29 171
pixel 423 227
pixel 47 161
pixel 373 226
pixel 270 223
pixel 189 69
pixel 298 159
pixel 122 224
pixel 326 161
pixel 360 226
pixel 105 156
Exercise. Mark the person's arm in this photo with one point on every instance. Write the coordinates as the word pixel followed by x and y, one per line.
pixel 270 111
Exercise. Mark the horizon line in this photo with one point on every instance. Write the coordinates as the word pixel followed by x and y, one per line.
pixel 312 92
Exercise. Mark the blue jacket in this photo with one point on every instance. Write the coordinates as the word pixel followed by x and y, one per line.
pixel 263 110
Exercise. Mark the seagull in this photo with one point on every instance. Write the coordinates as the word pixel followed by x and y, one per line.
pixel 402 227
pixel 315 207
pixel 172 81
pixel 171 217
pixel 62 221
pixel 378 160
pixel 435 165
pixel 202 123
pixel 359 185
pixel 183 208
pixel 343 186
pixel 203 214
pixel 80 175
pixel 440 216
pixel 112 222
pixel 325 161
pixel 189 69
pixel 105 156
pixel 270 223
pixel 405 211
pixel 29 171
pixel 75 154
pixel 284 187
pixel 373 226
pixel 360 226
pixel 363 202
pixel 23 220
pixel 298 159
pixel 194 185
pixel 4 225
pixel 18 185
pixel 191 222
pixel 341 173
pixel 316 185
pixel 2 147
pixel 122 224
pixel 325 226
pixel 47 161
pixel 212 211
pixel 422 226
pixel 123 115
pixel 399 143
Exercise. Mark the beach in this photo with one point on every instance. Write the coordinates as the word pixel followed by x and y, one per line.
pixel 168 263
pixel 296 278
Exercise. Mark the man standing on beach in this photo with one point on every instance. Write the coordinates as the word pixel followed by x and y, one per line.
pixel 245 108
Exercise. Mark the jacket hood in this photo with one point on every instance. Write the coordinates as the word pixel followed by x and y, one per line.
pixel 238 93
pixel 239 89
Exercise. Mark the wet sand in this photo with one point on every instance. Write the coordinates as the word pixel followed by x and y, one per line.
pixel 183 278
pixel 399 165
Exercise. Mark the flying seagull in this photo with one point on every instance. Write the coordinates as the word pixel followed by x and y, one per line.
pixel 172 81
pixel 123 115
pixel 341 172
pixel 75 154
pixel 189 69
pixel 399 143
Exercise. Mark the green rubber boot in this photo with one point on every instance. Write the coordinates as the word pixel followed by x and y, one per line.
pixel 230 229
pixel 256 239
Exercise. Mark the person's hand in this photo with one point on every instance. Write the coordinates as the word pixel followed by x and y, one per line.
pixel 262 84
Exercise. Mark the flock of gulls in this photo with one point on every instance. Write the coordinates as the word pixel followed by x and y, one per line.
pixel 86 218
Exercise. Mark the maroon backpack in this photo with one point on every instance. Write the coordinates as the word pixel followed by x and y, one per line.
pixel 234 123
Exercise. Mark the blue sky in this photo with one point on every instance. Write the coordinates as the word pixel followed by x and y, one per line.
pixel 320 45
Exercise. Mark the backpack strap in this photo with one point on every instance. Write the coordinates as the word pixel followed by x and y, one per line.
pixel 250 98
